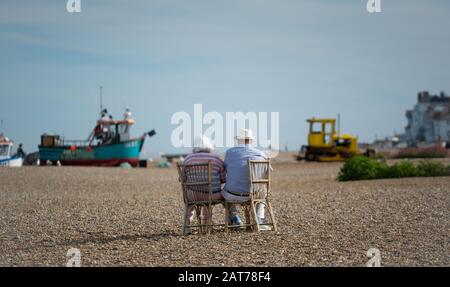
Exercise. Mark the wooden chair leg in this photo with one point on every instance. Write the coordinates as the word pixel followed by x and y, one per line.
pixel 272 217
pixel 227 216
pixel 198 210
pixel 186 218
pixel 209 219
pixel 248 218
pixel 255 216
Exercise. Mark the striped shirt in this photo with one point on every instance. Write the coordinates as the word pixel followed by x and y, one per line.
pixel 217 167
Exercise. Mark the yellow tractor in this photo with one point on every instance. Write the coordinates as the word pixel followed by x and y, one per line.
pixel 325 144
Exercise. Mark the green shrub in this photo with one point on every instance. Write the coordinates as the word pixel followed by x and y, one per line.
pixel 402 169
pixel 362 168
pixel 432 168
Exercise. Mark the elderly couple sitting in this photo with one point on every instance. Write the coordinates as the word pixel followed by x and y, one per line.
pixel 233 171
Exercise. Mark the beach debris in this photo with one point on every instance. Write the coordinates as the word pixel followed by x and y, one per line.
pixel 163 164
pixel 125 165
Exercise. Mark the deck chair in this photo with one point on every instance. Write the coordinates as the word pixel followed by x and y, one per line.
pixel 195 182
pixel 260 192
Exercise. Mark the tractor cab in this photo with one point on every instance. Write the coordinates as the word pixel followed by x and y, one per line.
pixel 325 144
pixel 322 132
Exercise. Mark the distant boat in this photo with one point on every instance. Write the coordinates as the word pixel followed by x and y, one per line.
pixel 6 151
pixel 109 144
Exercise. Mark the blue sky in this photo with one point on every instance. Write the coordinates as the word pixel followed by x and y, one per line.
pixel 298 58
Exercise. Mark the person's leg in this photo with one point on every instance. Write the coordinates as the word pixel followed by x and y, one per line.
pixel 233 210
pixel 190 213
pixel 204 210
pixel 260 211
pixel 188 218
pixel 260 207
pixel 205 213
pixel 236 220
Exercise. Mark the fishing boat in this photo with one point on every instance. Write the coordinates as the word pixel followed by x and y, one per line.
pixel 109 144
pixel 6 153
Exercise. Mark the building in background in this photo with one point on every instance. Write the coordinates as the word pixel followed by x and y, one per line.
pixel 394 141
pixel 429 120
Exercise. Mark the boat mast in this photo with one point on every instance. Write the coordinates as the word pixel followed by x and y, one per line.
pixel 101 99
pixel 92 134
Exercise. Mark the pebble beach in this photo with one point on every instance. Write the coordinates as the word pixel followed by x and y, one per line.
pixel 133 217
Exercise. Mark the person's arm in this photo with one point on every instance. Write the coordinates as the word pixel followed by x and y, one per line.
pixel 226 161
pixel 223 174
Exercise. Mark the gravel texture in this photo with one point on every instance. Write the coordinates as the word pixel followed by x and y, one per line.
pixel 121 217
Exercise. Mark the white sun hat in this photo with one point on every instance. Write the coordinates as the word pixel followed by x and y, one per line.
pixel 202 143
pixel 245 134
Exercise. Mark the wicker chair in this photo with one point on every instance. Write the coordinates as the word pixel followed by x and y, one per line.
pixel 196 180
pixel 259 186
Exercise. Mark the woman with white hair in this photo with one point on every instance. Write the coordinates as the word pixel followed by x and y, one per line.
pixel 203 153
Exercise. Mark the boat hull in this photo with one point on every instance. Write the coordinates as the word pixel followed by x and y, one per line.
pixel 102 155
pixel 12 162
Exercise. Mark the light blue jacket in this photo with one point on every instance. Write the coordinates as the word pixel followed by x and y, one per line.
pixel 236 165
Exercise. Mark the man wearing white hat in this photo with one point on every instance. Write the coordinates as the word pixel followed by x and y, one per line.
pixel 237 183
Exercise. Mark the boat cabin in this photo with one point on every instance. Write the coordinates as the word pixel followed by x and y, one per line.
pixel 6 146
pixel 109 131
